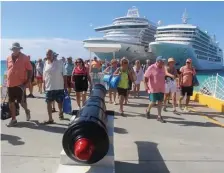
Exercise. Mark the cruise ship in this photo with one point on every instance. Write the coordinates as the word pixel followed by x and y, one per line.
pixel 182 41
pixel 132 32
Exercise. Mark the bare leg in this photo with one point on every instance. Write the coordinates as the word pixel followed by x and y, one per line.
pixel 159 107
pixel 126 98
pixel 110 96
pixel 138 89
pixel 12 108
pixel 114 94
pixel 174 98
pixel 83 98
pixel 60 110
pixel 187 100
pixel 41 87
pixel 69 91
pixel 135 89
pixel 166 96
pixel 121 102
pixel 78 95
pixel 49 110
pixel 31 88
pixel 180 102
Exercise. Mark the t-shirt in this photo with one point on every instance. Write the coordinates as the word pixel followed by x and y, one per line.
pixel 156 79
pixel 187 75
pixel 54 75
pixel 17 71
pixel 39 69
pixel 69 68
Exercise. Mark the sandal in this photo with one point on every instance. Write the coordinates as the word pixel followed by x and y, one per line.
pixel 49 122
pixel 147 114
pixel 160 119
pixel 61 116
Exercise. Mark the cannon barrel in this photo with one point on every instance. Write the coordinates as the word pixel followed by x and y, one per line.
pixel 86 139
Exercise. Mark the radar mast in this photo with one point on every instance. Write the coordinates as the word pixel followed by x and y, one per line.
pixel 185 17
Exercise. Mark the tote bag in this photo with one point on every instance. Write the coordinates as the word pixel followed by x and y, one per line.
pixel 67 105
pixel 114 82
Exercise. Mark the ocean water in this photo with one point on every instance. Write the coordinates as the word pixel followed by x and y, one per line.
pixel 201 75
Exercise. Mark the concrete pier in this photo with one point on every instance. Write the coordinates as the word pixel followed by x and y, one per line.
pixel 189 142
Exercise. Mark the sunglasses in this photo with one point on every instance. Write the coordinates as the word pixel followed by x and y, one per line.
pixel 125 62
pixel 77 62
pixel 188 62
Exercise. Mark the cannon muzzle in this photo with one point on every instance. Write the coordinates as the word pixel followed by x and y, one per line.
pixel 86 139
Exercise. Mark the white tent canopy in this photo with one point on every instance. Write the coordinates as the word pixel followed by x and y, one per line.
pixel 105 48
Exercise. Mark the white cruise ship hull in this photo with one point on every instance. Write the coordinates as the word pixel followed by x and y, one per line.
pixel 180 52
pixel 131 51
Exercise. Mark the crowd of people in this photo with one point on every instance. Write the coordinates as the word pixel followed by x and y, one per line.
pixel 53 76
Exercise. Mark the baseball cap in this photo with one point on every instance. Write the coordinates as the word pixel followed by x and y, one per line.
pixel 160 58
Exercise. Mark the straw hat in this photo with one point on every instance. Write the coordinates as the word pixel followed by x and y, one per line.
pixel 171 59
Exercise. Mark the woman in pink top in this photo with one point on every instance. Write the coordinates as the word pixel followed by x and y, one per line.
pixel 186 82
pixel 155 85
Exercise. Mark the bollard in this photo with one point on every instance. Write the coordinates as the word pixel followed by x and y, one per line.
pixel 86 139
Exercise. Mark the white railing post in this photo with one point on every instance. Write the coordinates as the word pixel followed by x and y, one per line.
pixel 216 83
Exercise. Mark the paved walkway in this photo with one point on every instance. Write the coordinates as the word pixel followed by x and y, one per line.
pixel 191 142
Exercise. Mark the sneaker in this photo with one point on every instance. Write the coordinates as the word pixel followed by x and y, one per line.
pixel 28 115
pixel 12 123
pixel 186 109
pixel 164 109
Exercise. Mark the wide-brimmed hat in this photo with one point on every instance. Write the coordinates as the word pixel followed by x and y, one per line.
pixel 16 45
pixel 171 59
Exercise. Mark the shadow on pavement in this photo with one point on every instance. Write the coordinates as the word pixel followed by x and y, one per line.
pixel 14 140
pixel 120 130
pixel 193 123
pixel 54 128
pixel 149 160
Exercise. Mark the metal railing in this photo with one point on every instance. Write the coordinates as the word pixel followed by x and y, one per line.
pixel 213 86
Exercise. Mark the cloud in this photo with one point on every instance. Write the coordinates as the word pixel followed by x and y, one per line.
pixel 36 48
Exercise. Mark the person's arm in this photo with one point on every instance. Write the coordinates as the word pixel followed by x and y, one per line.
pixel 117 72
pixel 64 76
pixel 168 74
pixel 29 71
pixel 106 71
pixel 147 75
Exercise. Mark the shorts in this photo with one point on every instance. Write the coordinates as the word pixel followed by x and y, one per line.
pixel 188 90
pixel 16 94
pixel 39 78
pixel 170 87
pixel 122 92
pixel 154 97
pixel 69 83
pixel 129 85
pixel 55 95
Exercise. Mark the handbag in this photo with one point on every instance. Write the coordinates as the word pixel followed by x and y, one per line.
pixel 195 81
pixel 67 105
pixel 114 82
pixel 5 111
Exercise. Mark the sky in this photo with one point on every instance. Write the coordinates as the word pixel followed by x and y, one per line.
pixel 62 26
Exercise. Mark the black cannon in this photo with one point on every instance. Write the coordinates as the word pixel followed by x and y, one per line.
pixel 86 139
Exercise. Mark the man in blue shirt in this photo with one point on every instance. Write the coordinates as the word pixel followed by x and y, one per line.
pixel 69 66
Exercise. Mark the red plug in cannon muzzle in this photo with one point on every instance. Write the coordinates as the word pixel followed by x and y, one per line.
pixel 83 149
